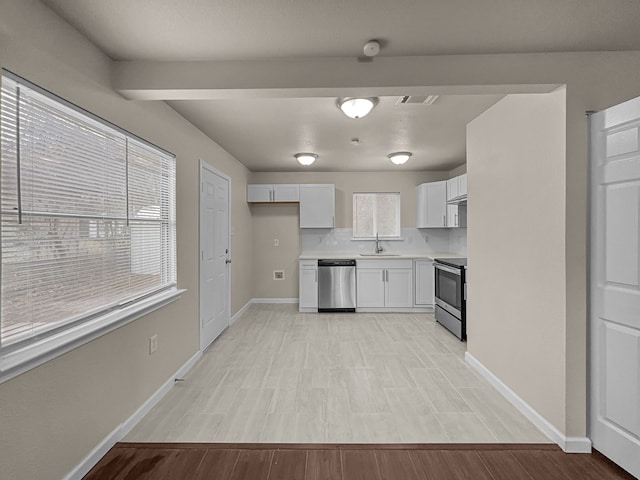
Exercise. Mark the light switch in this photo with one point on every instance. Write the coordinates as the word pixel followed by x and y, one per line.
pixel 276 242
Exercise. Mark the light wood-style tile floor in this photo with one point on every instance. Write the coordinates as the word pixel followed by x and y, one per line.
pixel 277 375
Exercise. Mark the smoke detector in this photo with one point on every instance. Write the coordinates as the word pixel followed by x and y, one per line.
pixel 371 48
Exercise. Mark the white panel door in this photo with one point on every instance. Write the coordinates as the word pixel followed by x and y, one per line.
pixel 614 425
pixel 452 188
pixel 437 204
pixel 308 288
pixel 259 193
pixel 214 255
pixel 424 276
pixel 399 291
pixel 286 193
pixel 370 287
pixel 317 206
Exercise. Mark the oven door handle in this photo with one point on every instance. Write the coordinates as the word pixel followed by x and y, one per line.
pixel 439 266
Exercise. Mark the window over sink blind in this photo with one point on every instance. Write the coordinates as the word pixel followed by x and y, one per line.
pixel 88 215
pixel 376 213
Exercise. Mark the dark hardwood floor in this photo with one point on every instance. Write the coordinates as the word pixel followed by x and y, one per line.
pixel 217 461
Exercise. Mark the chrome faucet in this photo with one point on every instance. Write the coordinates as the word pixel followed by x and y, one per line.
pixel 379 248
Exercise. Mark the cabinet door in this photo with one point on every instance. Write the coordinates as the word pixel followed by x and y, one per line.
pixel 317 206
pixel 452 216
pixel 286 193
pixel 259 193
pixel 370 287
pixel 399 288
pixel 421 206
pixel 462 184
pixel 452 188
pixel 308 294
pixel 436 204
pixel 424 277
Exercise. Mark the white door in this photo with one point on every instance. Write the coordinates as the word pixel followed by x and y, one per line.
pixel 317 206
pixel 214 254
pixel 370 287
pixel 614 416
pixel 399 290
pixel 437 204
pixel 308 288
pixel 424 277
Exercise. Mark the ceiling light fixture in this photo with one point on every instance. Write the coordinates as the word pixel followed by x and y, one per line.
pixel 356 107
pixel 399 158
pixel 306 159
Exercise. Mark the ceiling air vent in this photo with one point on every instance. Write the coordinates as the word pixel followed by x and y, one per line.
pixel 418 99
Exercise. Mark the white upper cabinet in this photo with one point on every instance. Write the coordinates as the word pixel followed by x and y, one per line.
pixel 457 188
pixel 317 206
pixel 273 193
pixel 431 205
pixel 259 193
pixel 462 185
pixel 286 193
pixel 452 188
pixel 456 216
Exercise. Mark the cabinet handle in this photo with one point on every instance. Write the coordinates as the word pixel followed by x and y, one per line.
pixel 444 220
pixel 382 276
pixel 316 276
pixel 333 220
pixel 456 219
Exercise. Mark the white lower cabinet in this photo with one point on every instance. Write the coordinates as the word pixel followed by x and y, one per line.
pixel 399 290
pixel 424 278
pixel 370 287
pixel 308 286
pixel 384 284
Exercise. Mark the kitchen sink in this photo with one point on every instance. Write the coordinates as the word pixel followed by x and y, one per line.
pixel 379 254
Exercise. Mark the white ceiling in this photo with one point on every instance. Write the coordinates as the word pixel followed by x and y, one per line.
pixel 265 133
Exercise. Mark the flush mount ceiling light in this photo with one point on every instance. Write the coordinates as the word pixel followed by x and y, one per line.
pixel 399 158
pixel 306 159
pixel 356 107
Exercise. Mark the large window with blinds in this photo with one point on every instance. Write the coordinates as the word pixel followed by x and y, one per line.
pixel 376 214
pixel 87 216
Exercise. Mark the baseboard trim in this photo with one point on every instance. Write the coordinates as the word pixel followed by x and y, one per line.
pixel 240 312
pixel 568 444
pixel 119 433
pixel 274 300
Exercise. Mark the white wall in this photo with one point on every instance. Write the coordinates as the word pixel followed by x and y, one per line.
pixel 53 415
pixel 516 235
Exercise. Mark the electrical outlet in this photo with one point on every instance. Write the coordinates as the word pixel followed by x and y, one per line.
pixel 153 344
pixel 278 274
pixel 276 242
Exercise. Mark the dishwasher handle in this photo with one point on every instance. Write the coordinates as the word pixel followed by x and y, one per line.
pixel 329 262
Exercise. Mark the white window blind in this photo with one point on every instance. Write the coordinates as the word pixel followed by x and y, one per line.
pixel 88 215
pixel 376 213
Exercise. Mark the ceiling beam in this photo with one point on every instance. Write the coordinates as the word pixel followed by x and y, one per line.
pixel 342 76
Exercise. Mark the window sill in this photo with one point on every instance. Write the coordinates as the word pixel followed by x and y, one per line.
pixel 18 361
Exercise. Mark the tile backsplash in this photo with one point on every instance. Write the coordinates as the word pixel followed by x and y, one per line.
pixel 413 240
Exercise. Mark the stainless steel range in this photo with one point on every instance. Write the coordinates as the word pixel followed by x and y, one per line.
pixel 451 295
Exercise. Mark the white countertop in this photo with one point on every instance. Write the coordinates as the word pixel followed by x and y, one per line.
pixel 342 255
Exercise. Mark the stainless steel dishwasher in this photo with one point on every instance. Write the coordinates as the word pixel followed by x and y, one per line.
pixel 336 285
